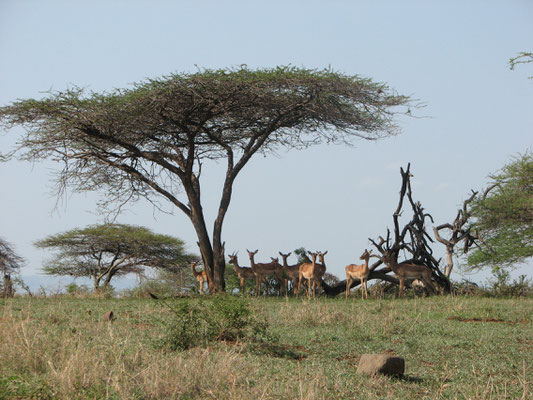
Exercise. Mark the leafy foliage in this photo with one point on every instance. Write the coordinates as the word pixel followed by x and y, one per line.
pixel 501 285
pixel 108 250
pixel 10 262
pixel 301 254
pixel 221 318
pixel 504 218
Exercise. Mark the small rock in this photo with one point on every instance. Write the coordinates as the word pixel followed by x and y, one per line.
pixel 108 316
pixel 385 364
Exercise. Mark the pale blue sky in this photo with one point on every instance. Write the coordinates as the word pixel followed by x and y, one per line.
pixel 452 55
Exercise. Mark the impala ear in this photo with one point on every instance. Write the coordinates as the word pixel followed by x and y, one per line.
pixel 324 253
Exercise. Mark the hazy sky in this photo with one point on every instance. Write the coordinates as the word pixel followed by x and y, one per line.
pixel 451 55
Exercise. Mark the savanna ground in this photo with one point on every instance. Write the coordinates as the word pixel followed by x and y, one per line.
pixel 454 347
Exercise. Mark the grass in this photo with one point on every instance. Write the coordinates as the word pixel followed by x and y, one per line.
pixel 454 347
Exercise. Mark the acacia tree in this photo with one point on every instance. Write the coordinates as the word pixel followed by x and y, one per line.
pixel 151 141
pixel 10 264
pixel 504 217
pixel 102 252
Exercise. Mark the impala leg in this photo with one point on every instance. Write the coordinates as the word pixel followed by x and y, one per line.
pixel 348 284
pixel 401 287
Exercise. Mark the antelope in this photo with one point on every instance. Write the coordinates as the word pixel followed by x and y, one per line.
pixel 292 271
pixel 321 266
pixel 408 271
pixel 242 272
pixel 308 271
pixel 201 276
pixel 263 270
pixel 360 272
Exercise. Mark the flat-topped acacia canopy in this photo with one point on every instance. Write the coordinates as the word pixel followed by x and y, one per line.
pixel 150 140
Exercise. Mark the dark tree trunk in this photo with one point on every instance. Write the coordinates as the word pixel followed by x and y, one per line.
pixel 212 254
pixel 8 286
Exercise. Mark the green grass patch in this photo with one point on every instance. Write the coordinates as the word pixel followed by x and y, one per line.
pixel 454 347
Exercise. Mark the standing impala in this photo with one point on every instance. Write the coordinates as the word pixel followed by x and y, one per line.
pixel 308 272
pixel 360 272
pixel 408 271
pixel 201 276
pixel 292 271
pixel 262 270
pixel 242 272
pixel 320 266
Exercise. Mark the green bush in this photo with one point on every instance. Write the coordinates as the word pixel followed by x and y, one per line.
pixel 221 318
pixel 74 289
pixel 501 284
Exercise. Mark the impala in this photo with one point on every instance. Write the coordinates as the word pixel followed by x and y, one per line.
pixel 360 272
pixel 201 276
pixel 408 271
pixel 262 270
pixel 242 272
pixel 308 272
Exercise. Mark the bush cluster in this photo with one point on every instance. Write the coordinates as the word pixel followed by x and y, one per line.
pixel 203 321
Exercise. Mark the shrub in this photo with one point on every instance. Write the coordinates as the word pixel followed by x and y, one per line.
pixel 74 289
pixel 221 318
pixel 501 285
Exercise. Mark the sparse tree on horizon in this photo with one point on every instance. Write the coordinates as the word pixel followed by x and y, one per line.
pixel 101 252
pixel 10 263
pixel 151 141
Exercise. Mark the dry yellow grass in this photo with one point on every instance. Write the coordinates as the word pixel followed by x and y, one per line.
pixel 59 349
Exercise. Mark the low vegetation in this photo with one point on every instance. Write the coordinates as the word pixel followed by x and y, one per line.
pixel 454 347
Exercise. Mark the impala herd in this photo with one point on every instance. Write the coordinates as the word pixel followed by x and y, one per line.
pixel 312 272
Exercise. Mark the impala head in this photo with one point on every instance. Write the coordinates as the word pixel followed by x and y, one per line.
pixel 313 255
pixel 366 255
pixel 284 256
pixel 389 256
pixel 321 255
pixel 275 259
pixel 252 253
pixel 232 258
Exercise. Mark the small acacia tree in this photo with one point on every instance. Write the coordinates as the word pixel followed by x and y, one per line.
pixel 102 252
pixel 504 218
pixel 152 140
pixel 10 264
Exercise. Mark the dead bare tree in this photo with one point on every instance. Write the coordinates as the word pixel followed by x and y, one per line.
pixel 412 238
pixel 461 230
